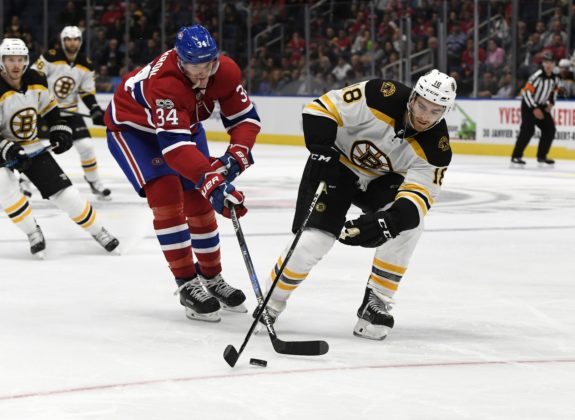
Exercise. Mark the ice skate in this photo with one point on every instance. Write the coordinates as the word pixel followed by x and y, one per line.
pixel 230 298
pixel 517 163
pixel 98 189
pixel 199 304
pixel 374 321
pixel 37 243
pixel 108 242
pixel 274 308
pixel 25 186
pixel 545 163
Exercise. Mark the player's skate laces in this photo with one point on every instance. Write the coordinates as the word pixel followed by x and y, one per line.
pixel 104 238
pixel 232 299
pixel 199 304
pixel 37 242
pixel 98 190
pixel 374 321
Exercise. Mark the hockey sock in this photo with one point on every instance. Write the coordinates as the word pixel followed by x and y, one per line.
pixel 14 203
pixel 391 259
pixel 85 149
pixel 79 209
pixel 204 233
pixel 165 198
pixel 311 248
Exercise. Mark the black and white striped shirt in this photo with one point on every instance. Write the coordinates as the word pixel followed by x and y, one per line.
pixel 540 90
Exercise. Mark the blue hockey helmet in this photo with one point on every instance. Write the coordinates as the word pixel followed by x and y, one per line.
pixel 195 45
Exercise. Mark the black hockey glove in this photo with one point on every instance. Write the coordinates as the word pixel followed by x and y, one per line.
pixel 11 151
pixel 369 230
pixel 97 115
pixel 324 164
pixel 60 137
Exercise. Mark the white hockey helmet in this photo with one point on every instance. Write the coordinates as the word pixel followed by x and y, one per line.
pixel 13 46
pixel 70 32
pixel 436 87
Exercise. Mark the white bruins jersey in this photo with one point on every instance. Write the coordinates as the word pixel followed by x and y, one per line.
pixel 373 141
pixel 68 81
pixel 20 109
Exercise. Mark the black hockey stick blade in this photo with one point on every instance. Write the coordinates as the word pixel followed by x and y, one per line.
pixel 300 348
pixel 231 355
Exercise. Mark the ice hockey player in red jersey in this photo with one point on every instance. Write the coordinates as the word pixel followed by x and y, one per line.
pixel 156 136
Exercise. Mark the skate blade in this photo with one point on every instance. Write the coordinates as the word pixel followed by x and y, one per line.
pixel 546 165
pixel 241 308
pixel 211 317
pixel 517 166
pixel 364 329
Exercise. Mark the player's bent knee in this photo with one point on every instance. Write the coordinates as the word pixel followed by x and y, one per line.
pixel 314 244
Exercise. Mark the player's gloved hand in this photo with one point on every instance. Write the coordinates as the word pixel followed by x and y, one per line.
pixel 97 115
pixel 221 193
pixel 60 137
pixel 324 164
pixel 237 159
pixel 10 151
pixel 368 230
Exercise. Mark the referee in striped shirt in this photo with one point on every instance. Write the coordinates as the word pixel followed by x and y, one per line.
pixel 539 96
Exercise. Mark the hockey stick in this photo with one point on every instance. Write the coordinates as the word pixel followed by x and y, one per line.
pixel 302 348
pixel 12 163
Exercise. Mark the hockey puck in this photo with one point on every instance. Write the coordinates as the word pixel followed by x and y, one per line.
pixel 258 362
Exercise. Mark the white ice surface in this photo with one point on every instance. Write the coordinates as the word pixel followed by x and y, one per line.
pixel 485 319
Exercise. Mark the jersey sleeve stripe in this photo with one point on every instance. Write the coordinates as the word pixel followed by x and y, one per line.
pixel 318 109
pixel 239 114
pixel 419 189
pixel 415 199
pixel 116 121
pixel 174 146
pixel 174 131
pixel 332 109
pixel 236 119
pixel 416 148
pixel 247 120
pixel 420 195
pixel 84 94
pixel 53 104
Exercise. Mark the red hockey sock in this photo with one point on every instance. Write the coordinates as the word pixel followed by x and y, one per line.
pixel 204 233
pixel 165 198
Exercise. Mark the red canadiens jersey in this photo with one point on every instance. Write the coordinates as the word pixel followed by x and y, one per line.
pixel 160 99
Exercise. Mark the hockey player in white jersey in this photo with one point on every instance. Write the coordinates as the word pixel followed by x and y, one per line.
pixel 70 77
pixel 24 96
pixel 385 148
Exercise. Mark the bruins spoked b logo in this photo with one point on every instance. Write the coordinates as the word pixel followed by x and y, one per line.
pixel 24 124
pixel 63 86
pixel 365 154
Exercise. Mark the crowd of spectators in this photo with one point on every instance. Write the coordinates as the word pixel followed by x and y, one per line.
pixel 349 40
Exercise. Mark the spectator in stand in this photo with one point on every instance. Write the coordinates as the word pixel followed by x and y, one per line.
pixel 341 70
pixel 14 29
pixel 103 80
pixel 70 16
pixel 557 47
pixel 487 85
pixel 506 88
pixel 467 56
pixel 112 57
pixel 566 80
pixel 555 29
pixel 343 41
pixel 455 42
pixel 112 14
pixel 495 55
